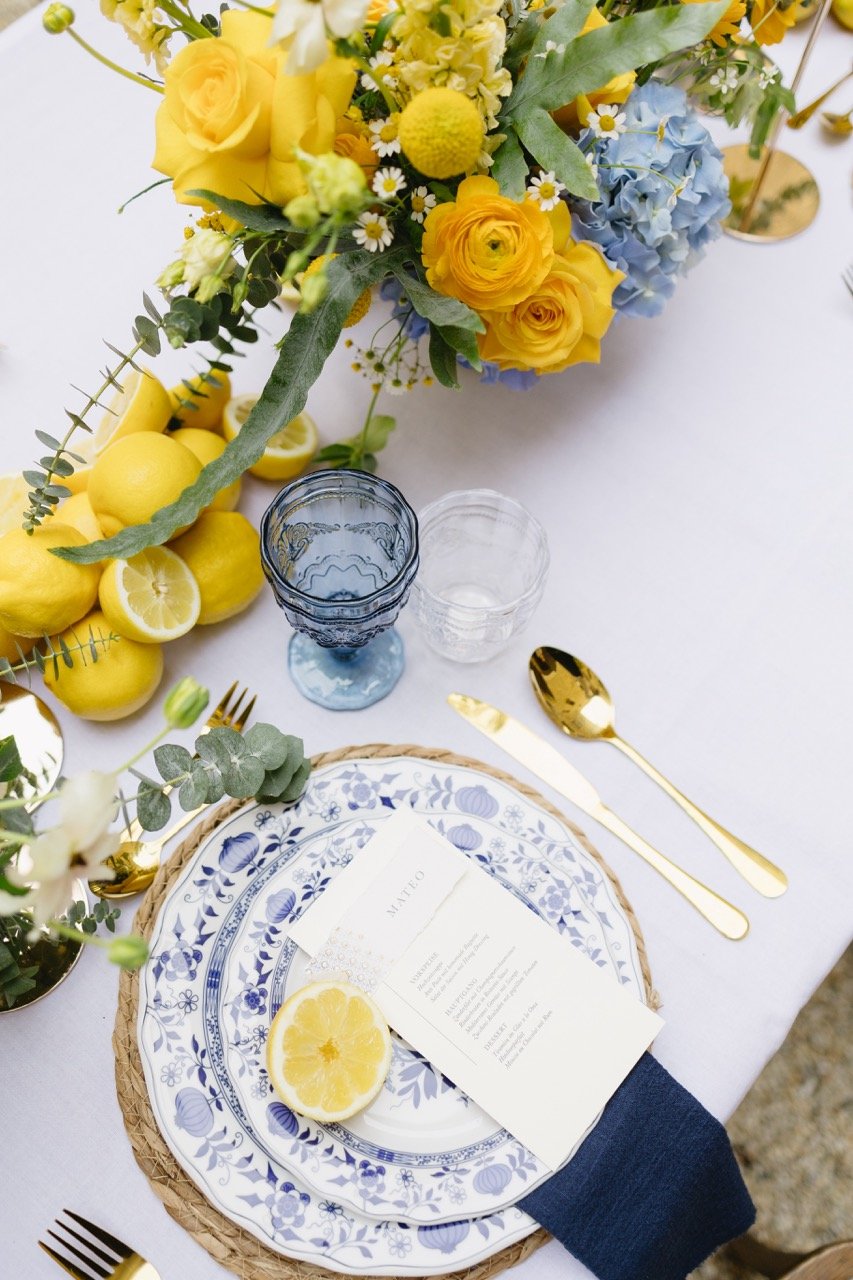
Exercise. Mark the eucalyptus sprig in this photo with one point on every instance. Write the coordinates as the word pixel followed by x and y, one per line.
pixel 46 651
pixel 262 762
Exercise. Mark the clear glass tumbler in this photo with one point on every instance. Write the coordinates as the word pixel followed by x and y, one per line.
pixel 340 550
pixel 484 560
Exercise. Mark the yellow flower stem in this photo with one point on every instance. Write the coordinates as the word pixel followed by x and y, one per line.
pixel 377 77
pixel 107 62
pixel 186 21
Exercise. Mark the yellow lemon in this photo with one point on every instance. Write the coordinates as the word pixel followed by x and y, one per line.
pixel 199 401
pixel 152 597
pixel 137 476
pixel 328 1051
pixel 206 446
pixel 13 501
pixel 11 646
pixel 288 452
pixel 39 592
pixel 77 511
pixel 441 132
pixel 223 554
pixel 124 677
pixel 143 404
pixel 360 307
pixel 843 11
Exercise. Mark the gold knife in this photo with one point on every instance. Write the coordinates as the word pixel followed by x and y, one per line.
pixel 552 767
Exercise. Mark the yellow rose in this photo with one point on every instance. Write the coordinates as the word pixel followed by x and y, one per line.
pixel 563 320
pixel 230 117
pixel 485 249
pixel 575 114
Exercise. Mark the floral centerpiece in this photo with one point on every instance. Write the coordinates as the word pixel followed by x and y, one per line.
pixel 508 174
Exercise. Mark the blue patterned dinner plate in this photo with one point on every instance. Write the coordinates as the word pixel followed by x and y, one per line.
pixel 423 1181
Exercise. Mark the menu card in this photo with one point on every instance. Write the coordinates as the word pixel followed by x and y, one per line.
pixel 497 1000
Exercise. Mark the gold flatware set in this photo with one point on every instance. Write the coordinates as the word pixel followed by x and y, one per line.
pixel 102 1256
pixel 577 701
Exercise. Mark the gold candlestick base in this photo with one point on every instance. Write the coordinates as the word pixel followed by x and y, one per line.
pixel 786 204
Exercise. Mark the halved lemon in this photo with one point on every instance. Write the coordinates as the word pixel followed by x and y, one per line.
pixel 152 597
pixel 13 501
pixel 288 452
pixel 143 404
pixel 328 1051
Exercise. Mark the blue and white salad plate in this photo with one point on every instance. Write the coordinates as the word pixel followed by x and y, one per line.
pixel 423 1182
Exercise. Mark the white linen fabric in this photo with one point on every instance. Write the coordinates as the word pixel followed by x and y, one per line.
pixel 696 489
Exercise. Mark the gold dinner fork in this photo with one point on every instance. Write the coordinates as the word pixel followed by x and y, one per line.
pixel 136 861
pixel 108 1259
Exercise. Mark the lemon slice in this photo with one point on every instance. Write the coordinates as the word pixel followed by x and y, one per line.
pixel 151 598
pixel 13 501
pixel 328 1051
pixel 288 452
pixel 143 404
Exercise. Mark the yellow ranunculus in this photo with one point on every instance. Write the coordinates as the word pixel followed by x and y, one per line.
pixel 563 320
pixel 487 250
pixel 231 117
pixel 572 117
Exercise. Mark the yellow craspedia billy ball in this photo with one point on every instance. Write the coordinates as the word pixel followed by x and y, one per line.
pixel 39 592
pixel 361 306
pixel 123 679
pixel 441 132
pixel 137 476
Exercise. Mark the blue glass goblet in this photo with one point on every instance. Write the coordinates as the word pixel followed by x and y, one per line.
pixel 340 550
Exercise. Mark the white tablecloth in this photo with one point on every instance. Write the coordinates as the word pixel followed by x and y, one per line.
pixel 697 491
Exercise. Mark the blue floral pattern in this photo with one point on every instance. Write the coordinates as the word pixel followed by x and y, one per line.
pixel 222 963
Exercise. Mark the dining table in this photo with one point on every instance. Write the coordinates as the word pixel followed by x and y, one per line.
pixel 696 488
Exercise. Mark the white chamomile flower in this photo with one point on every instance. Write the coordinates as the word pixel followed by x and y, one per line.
pixel 388 183
pixel 422 200
pixel 372 232
pixel 382 59
pixel 724 80
pixel 551 47
pixel 593 167
pixel 607 122
pixel 545 189
pixel 384 138
pixel 307 21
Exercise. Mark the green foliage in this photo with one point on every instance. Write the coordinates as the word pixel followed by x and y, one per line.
pixel 509 168
pixel 46 652
pixel 592 60
pixel 304 350
pixel 262 762
pixel 439 309
pixel 14 980
pixel 80 917
pixel 442 357
pixel 564 25
pixel 360 450
pixel 10 759
pixel 554 150
pixel 255 217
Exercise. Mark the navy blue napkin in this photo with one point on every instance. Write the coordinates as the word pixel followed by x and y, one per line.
pixel 652 1191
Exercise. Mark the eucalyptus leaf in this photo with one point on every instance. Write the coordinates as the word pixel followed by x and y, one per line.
pixel 297 783
pixel 592 60
pixel 172 761
pixel 194 791
pixel 557 152
pixel 509 168
pixel 17 820
pixel 153 808
pixel 211 746
pixel 244 776
pixel 436 307
pixel 268 743
pixel 304 351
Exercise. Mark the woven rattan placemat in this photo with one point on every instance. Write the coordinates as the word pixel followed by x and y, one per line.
pixel 224 1240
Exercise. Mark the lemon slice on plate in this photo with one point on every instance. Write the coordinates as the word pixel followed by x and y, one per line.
pixel 13 501
pixel 328 1051
pixel 152 597
pixel 143 404
pixel 288 452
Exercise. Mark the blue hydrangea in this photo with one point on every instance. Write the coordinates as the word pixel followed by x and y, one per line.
pixel 663 192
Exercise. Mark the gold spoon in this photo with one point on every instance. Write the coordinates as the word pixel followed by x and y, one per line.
pixel 840 125
pixel 578 702
pixel 37 735
pixel 799 118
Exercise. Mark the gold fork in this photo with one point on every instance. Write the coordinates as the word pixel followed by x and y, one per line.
pixel 106 1259
pixel 136 861
pixel 847 277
